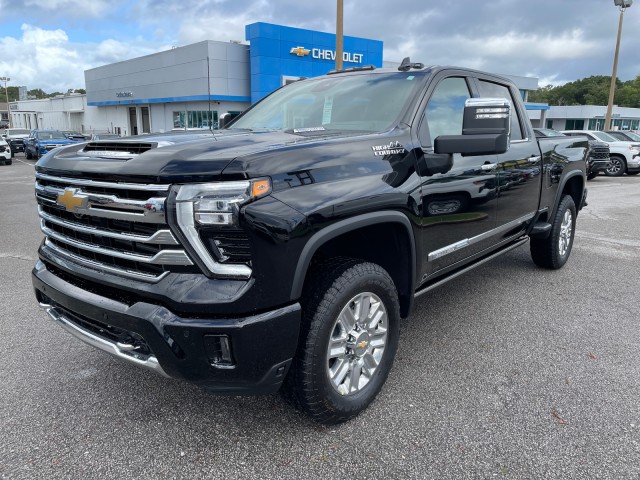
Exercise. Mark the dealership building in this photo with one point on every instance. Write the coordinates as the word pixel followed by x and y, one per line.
pixel 189 87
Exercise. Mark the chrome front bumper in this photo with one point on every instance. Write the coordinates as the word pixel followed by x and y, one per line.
pixel 120 350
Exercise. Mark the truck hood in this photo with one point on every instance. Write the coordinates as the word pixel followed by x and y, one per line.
pixel 172 158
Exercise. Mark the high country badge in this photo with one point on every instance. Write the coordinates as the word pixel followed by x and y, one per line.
pixel 393 148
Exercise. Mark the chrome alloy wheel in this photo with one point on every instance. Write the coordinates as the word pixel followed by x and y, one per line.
pixel 357 343
pixel 564 239
pixel 615 166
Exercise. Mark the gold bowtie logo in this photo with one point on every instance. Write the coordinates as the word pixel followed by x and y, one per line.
pixel 300 51
pixel 72 200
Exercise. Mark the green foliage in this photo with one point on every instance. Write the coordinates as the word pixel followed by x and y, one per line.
pixel 590 91
pixel 36 93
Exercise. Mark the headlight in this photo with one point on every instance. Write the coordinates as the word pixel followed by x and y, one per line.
pixel 206 206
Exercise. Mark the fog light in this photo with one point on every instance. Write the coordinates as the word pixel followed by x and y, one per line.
pixel 218 348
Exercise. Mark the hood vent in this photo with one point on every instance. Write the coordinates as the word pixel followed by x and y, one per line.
pixel 117 149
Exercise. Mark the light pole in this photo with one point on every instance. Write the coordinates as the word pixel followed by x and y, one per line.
pixel 623 5
pixel 6 91
pixel 339 35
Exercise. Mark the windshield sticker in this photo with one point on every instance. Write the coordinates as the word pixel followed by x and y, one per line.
pixel 308 129
pixel 393 148
pixel 411 77
pixel 326 111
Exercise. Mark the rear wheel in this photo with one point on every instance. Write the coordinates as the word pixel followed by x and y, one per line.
pixel 617 167
pixel 592 175
pixel 348 342
pixel 553 252
pixel 27 154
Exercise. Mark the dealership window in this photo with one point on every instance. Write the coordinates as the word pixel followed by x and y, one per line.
pixel 549 123
pixel 596 124
pixel 574 124
pixel 195 119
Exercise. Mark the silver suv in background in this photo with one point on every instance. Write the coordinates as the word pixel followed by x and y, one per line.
pixel 624 155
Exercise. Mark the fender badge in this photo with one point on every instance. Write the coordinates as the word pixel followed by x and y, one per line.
pixel 393 148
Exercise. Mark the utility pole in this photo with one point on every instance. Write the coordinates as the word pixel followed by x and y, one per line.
pixel 623 4
pixel 6 92
pixel 339 36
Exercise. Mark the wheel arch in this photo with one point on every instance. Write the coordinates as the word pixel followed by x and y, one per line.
pixel 342 239
pixel 573 184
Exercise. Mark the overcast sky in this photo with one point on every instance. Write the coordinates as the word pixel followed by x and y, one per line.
pixel 48 44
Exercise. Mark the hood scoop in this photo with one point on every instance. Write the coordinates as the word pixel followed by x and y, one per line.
pixel 120 150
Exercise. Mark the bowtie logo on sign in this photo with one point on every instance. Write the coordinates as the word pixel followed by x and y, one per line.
pixel 300 51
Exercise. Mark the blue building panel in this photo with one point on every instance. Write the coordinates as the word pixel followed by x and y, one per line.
pixel 277 51
pixel 290 34
pixel 264 47
pixel 266 65
pixel 321 39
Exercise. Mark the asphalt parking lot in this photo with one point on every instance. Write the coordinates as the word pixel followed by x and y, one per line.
pixel 507 372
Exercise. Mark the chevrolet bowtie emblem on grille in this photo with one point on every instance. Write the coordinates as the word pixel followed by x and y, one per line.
pixel 72 200
pixel 300 51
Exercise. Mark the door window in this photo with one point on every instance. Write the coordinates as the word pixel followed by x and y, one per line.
pixel 495 90
pixel 444 112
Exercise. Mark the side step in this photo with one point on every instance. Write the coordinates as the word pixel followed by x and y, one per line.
pixel 428 288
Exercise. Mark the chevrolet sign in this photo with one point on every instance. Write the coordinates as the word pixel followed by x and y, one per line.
pixel 326 54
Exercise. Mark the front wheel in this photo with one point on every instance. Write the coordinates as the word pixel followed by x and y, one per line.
pixel 617 167
pixel 553 252
pixel 351 320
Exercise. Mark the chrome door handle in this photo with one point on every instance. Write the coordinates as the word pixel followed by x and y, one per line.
pixel 535 159
pixel 487 167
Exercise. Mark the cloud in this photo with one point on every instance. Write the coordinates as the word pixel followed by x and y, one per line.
pixel 47 59
pixel 561 41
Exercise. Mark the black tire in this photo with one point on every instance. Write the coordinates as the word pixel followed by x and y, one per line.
pixel 553 252
pixel 617 168
pixel 592 175
pixel 336 287
pixel 8 162
pixel 27 154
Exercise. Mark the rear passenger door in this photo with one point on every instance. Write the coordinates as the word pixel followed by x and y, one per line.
pixel 519 169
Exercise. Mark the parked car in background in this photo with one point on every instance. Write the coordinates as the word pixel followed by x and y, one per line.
pixel 79 137
pixel 624 156
pixel 5 152
pixel 624 135
pixel 598 159
pixel 40 142
pixel 15 138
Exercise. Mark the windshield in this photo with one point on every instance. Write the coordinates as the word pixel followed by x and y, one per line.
pixel 367 103
pixel 630 135
pixel 547 132
pixel 605 137
pixel 18 131
pixel 51 136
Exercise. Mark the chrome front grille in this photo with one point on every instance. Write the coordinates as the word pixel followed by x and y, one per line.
pixel 112 227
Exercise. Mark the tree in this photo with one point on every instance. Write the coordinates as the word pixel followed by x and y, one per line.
pixel 592 90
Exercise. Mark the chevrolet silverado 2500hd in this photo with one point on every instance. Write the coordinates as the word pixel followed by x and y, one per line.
pixel 284 250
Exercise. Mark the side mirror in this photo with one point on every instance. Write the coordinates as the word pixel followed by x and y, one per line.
pixel 226 118
pixel 486 129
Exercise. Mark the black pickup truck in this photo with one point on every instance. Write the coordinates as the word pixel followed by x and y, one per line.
pixel 284 250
